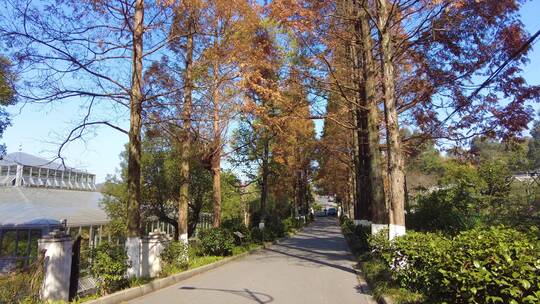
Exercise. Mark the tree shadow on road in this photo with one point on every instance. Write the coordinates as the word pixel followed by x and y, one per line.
pixel 316 261
pixel 256 297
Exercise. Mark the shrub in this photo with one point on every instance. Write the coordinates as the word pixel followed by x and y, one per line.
pixel 236 224
pixel 216 241
pixel 175 257
pixel 256 235
pixel 483 265
pixel 110 263
pixel 22 286
pixel 347 225
pixel 291 224
pixel 448 210
pixel 266 235
pixel 274 228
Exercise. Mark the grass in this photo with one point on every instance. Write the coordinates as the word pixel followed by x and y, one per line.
pixel 378 275
pixel 379 278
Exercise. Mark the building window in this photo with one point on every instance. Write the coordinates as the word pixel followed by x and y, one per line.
pixel 12 170
pixel 26 171
pixel 4 170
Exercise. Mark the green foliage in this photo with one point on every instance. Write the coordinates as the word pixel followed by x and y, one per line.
pixel 356 235
pixel 482 265
pixel 216 241
pixel 533 155
pixel 7 94
pixel 469 196
pixel 290 225
pixel 450 210
pixel 23 286
pixel 110 263
pixel 175 257
pixel 236 224
pixel 379 276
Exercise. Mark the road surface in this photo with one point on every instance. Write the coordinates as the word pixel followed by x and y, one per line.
pixel 314 266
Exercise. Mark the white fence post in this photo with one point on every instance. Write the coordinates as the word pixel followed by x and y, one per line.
pixel 152 246
pixel 57 263
pixel 133 251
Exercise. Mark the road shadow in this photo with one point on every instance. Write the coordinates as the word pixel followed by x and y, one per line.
pixel 313 260
pixel 256 297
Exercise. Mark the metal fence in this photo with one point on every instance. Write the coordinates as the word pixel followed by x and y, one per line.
pixel 18 246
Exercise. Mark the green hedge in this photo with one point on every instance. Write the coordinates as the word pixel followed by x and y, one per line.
pixel 482 265
pixel 216 241
pixel 110 263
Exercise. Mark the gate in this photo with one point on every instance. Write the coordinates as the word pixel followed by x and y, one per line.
pixel 75 268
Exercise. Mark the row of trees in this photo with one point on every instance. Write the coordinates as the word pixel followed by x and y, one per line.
pixel 184 71
pixel 188 72
pixel 393 65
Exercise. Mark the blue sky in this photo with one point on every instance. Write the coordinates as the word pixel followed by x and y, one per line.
pixel 38 129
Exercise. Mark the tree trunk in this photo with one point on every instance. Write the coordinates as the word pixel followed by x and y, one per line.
pixel 216 180
pixel 363 208
pixel 378 204
pixel 395 158
pixel 186 144
pixel 265 173
pixel 136 99
pixel 216 155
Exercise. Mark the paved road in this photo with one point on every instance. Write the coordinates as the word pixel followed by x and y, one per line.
pixel 312 267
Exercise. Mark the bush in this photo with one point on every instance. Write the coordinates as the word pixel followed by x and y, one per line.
pixel 175 257
pixel 483 265
pixel 291 224
pixel 236 224
pixel 256 235
pixel 23 286
pixel 273 229
pixel 110 263
pixel 216 241
pixel 448 210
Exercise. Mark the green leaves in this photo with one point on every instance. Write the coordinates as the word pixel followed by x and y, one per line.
pixel 216 241
pixel 109 267
pixel 482 265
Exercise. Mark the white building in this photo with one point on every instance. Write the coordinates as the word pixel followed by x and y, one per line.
pixel 35 196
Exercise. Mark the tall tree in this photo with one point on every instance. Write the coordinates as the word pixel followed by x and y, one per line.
pixel 91 53
pixel 186 130
pixel 136 100
pixel 7 95
pixel 396 173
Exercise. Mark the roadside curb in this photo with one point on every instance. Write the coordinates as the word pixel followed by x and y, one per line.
pixel 139 291
pixel 364 285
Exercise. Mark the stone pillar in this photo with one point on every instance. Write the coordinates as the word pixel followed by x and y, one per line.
pixel 395 231
pixel 57 263
pixel 133 251
pixel 18 176
pixel 152 246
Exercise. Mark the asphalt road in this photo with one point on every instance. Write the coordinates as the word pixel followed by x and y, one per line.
pixel 313 267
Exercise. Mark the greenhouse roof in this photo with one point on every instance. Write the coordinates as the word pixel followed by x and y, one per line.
pixel 42 206
pixel 25 159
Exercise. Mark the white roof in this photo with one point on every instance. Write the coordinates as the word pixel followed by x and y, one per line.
pixel 25 159
pixel 27 206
